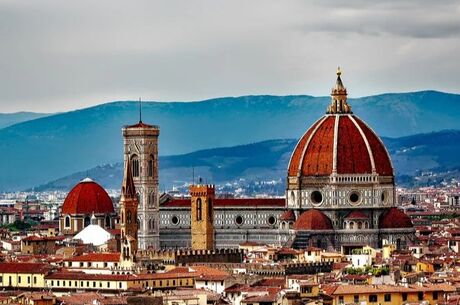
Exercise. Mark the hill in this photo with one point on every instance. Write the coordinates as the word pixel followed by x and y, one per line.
pixel 40 150
pixel 268 160
pixel 8 119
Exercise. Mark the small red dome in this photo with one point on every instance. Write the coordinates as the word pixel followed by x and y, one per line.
pixel 313 220
pixel 357 215
pixel 287 216
pixel 87 197
pixel 340 142
pixel 394 218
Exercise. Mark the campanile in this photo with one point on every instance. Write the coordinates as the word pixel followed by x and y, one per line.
pixel 141 150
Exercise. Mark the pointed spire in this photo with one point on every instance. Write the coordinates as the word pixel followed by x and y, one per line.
pixel 338 83
pixel 140 110
pixel 127 188
pixel 339 103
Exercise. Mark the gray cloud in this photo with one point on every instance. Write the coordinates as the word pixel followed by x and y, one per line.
pixel 60 55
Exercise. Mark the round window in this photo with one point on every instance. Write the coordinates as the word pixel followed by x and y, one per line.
pixel 271 220
pixel 239 220
pixel 316 197
pixel 354 197
pixel 175 220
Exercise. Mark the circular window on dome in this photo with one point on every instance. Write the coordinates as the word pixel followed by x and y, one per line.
pixel 271 220
pixel 239 220
pixel 175 220
pixel 316 197
pixel 354 197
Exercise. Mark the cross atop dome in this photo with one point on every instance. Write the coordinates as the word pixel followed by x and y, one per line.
pixel 339 103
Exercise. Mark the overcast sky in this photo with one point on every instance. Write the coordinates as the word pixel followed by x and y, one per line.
pixel 62 55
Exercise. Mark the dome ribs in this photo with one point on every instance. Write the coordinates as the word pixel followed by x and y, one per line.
pixel 299 149
pixel 382 160
pixel 352 154
pixel 317 160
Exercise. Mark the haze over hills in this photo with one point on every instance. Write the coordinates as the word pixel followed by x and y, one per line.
pixel 268 160
pixel 40 150
pixel 8 119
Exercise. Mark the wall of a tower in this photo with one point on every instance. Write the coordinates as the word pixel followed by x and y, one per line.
pixel 141 149
pixel 202 217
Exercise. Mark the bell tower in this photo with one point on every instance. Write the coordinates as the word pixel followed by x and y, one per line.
pixel 141 151
pixel 202 217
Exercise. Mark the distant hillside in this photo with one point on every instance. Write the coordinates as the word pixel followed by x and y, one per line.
pixel 268 160
pixel 259 161
pixel 40 150
pixel 8 119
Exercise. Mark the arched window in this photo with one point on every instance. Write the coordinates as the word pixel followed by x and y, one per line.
pixel 198 209
pixel 87 221
pixel 108 223
pixel 129 217
pixel 150 166
pixel 210 209
pixel 67 221
pixel 135 165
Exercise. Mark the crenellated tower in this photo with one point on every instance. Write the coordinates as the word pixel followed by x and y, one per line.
pixel 202 210
pixel 141 151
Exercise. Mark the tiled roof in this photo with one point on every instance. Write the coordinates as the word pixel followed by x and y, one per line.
pixel 140 124
pixel 288 216
pixel 24 268
pixel 357 215
pixel 96 257
pixel 357 289
pixel 313 220
pixel 394 218
pixel 43 238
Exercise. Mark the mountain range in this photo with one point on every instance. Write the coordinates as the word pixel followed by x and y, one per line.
pixel 268 160
pixel 40 150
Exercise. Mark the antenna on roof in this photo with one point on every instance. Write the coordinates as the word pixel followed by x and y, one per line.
pixel 140 110
pixel 193 175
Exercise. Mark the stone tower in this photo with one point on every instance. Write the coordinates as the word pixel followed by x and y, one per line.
pixel 202 217
pixel 141 150
pixel 128 216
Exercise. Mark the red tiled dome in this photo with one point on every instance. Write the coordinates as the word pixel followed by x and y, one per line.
pixel 357 215
pixel 87 197
pixel 313 220
pixel 357 148
pixel 288 216
pixel 394 218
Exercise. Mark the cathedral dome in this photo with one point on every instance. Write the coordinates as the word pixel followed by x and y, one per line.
pixel 313 220
pixel 339 143
pixel 87 197
pixel 394 218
